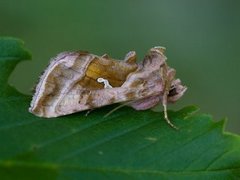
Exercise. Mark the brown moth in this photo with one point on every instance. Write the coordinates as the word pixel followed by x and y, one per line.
pixel 78 81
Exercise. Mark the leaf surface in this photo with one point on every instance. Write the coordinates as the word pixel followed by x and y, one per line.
pixel 128 144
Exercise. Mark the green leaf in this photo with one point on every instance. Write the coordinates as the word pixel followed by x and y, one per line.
pixel 128 144
pixel 11 52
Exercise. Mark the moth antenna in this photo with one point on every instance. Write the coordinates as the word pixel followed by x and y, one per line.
pixel 116 108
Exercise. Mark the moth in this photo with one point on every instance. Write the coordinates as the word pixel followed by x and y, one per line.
pixel 78 81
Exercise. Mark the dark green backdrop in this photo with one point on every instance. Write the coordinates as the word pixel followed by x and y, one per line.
pixel 202 40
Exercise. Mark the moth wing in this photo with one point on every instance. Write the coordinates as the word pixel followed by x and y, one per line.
pixel 69 84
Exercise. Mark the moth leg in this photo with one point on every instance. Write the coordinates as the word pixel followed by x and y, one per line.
pixel 116 108
pixel 88 112
pixel 164 103
pixel 167 77
pixel 166 117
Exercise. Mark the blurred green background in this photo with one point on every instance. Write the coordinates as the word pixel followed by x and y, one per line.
pixel 202 40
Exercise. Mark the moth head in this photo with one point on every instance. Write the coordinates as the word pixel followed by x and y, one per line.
pixel 176 91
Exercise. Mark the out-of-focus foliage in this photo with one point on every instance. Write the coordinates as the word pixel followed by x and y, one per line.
pixel 201 37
